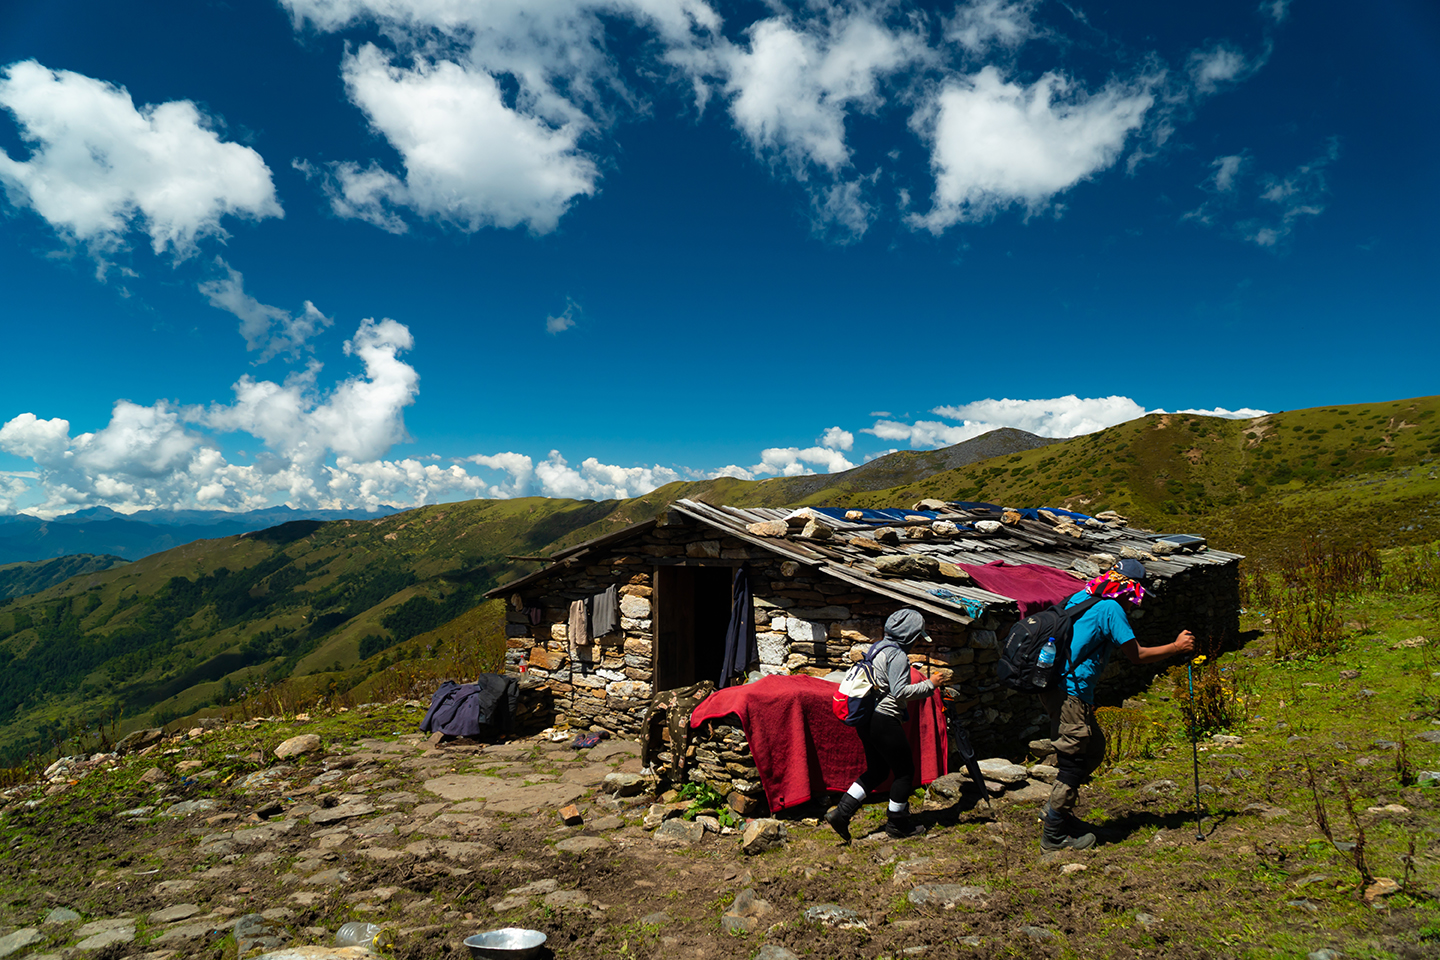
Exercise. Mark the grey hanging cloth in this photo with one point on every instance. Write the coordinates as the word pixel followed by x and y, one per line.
pixel 740 648
pixel 605 612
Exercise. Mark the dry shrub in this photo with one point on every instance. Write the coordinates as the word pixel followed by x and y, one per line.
pixel 1211 697
pixel 1130 734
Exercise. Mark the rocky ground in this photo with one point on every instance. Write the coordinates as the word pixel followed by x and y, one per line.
pixel 270 836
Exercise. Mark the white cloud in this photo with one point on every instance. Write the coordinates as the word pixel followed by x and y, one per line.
pixel 1298 194
pixel 837 439
pixel 996 143
pixel 489 115
pixel 99 167
pixel 983 24
pixel 157 456
pixel 1263 210
pixel 792 87
pixel 1060 417
pixel 1244 413
pixel 795 462
pixel 1276 10
pixel 470 160
pixel 565 320
pixel 268 329
pixel 1220 66
pixel 1226 170
pixel 599 481
pixel 361 418
pixel 1067 416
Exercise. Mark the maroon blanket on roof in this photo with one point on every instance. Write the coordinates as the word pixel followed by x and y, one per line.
pixel 1033 586
pixel 800 748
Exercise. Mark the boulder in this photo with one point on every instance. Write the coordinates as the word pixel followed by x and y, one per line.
pixel 139 740
pixel 768 528
pixel 762 835
pixel 907 565
pixel 298 746
pixel 815 530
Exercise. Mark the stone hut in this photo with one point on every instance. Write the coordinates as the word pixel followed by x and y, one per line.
pixel 823 581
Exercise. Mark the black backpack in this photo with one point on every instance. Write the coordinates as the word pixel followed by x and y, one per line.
pixel 1019 667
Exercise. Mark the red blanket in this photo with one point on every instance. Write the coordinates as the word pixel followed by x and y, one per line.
pixel 1032 586
pixel 800 748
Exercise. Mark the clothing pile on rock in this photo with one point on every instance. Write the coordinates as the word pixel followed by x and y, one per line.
pixel 473 709
pixel 594 616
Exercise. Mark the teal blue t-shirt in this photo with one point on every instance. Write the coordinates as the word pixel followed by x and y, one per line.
pixel 1099 630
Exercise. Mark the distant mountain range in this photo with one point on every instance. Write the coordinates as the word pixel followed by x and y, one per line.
pixel 102 531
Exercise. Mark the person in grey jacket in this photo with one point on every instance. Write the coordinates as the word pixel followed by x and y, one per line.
pixel 887 750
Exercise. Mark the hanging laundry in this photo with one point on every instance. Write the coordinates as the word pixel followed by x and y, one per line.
pixel 579 623
pixel 605 612
pixel 741 649
pixel 535 614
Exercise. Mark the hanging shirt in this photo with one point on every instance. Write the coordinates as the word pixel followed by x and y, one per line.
pixel 579 624
pixel 605 612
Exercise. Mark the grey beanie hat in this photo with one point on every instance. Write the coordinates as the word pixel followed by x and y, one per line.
pixel 905 626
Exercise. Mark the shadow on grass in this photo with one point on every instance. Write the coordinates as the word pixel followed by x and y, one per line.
pixel 1122 828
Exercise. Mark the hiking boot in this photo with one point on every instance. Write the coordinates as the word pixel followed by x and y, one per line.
pixel 1056 834
pixel 840 815
pixel 898 826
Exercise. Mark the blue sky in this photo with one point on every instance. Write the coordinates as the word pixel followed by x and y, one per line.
pixel 348 252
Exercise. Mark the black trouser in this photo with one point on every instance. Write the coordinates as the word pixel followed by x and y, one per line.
pixel 887 751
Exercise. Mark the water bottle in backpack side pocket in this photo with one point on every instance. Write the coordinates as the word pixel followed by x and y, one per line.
pixel 1046 660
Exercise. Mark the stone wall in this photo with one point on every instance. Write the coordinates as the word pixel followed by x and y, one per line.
pixel 809 623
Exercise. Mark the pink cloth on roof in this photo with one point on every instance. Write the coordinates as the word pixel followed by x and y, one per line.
pixel 1031 585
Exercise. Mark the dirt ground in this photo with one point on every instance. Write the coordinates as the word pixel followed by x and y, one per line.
pixel 431 869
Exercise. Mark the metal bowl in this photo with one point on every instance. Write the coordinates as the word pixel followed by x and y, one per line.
pixel 508 943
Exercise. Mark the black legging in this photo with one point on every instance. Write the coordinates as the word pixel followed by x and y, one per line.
pixel 887 751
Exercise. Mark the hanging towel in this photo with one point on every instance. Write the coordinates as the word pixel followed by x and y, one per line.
pixel 740 647
pixel 605 612
pixel 579 624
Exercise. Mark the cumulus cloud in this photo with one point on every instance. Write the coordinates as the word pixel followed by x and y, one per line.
pixel 100 167
pixel 503 112
pixel 594 480
pixel 268 329
pixel 360 418
pixel 996 142
pixel 486 103
pixel 470 160
pixel 837 439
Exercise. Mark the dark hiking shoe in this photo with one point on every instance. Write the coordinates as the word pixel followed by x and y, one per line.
pixel 900 827
pixel 840 815
pixel 1055 834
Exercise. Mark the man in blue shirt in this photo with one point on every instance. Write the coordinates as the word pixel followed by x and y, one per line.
pixel 1079 741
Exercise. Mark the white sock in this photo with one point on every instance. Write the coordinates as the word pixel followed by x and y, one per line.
pixel 899 807
pixel 856 791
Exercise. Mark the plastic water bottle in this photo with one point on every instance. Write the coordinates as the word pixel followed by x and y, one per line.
pixel 1047 653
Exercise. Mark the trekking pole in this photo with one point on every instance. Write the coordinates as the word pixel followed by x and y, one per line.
pixel 1194 746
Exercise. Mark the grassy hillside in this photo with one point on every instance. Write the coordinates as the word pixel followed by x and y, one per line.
pixel 156 637
pixel 1350 474
pixel 32 576
pixel 338 601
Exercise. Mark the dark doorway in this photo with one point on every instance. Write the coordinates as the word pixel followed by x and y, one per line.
pixel 692 610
